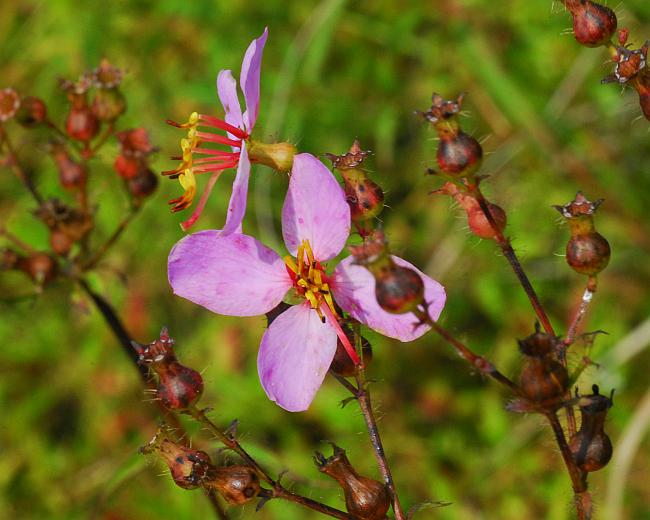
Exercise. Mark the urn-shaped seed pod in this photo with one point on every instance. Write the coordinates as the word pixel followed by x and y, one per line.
pixel 398 289
pixel 365 498
pixel 143 184
pixel 81 123
pixel 179 387
pixel 591 447
pixel 587 251
pixel 364 196
pixel 72 175
pixel 188 467
pixel 459 154
pixel 40 267
pixel 543 380
pixel 236 484
pixel 593 24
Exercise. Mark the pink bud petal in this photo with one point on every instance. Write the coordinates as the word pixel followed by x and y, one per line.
pixel 227 90
pixel 250 79
pixel 239 196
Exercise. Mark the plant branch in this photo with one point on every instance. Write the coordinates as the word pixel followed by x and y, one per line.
pixel 511 256
pixel 278 490
pixel 22 175
pixel 101 250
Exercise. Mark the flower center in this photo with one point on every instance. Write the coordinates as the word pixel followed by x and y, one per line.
pixel 309 279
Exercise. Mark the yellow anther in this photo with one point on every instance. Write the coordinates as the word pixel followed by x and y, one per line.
pixel 291 264
pixel 310 253
pixel 194 119
pixel 312 299
pixel 318 279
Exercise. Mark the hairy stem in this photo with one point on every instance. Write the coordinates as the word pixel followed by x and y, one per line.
pixel 511 256
pixel 279 491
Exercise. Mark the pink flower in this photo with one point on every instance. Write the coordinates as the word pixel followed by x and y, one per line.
pixel 236 275
pixel 237 128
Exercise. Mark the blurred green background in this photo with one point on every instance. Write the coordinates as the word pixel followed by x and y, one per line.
pixel 73 413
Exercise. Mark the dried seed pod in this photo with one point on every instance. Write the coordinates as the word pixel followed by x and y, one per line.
pixel 590 446
pixel 80 124
pixel 143 184
pixel 179 387
pixel 40 267
pixel 365 498
pixel 236 484
pixel 188 467
pixel 9 104
pixel 72 175
pixel 543 380
pixel 593 24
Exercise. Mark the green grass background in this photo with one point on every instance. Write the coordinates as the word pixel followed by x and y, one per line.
pixel 73 413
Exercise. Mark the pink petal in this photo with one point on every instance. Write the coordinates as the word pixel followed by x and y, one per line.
pixel 315 209
pixel 227 90
pixel 237 204
pixel 354 290
pixel 233 275
pixel 295 354
pixel 250 79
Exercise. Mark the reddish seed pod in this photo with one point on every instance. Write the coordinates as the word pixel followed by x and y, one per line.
pixel 480 225
pixel 365 498
pixel 126 167
pixel 236 484
pixel 399 289
pixel 81 124
pixel 188 467
pixel 588 253
pixel 60 242
pixel 543 380
pixel 179 387
pixel 591 447
pixel 135 142
pixel 32 112
pixel 143 184
pixel 342 365
pixel 593 24
pixel 365 198
pixel 72 175
pixel 40 267
pixel 459 154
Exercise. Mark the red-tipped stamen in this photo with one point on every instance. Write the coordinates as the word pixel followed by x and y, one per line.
pixel 213 138
pixel 174 123
pixel 341 335
pixel 215 153
pixel 216 167
pixel 219 123
pixel 204 198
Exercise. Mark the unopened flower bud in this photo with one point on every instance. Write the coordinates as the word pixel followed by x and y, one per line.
pixel 9 104
pixel 143 184
pixel 459 154
pixel 398 289
pixel 278 156
pixel 591 447
pixel 188 467
pixel 40 267
pixel 32 112
pixel 179 387
pixel 593 24
pixel 236 484
pixel 587 251
pixel 72 175
pixel 365 498
pixel 342 365
pixel 543 379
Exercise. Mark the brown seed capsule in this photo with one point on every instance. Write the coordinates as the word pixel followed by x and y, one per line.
pixel 60 242
pixel 593 24
pixel 143 184
pixel 365 498
pixel 459 154
pixel 188 467
pixel 543 380
pixel 587 251
pixel 108 104
pixel 67 225
pixel 591 447
pixel 236 484
pixel 40 267
pixel 135 142
pixel 72 175
pixel 342 365
pixel 179 387
pixel 32 112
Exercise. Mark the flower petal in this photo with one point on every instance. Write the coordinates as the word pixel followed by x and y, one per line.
pixel 227 91
pixel 315 209
pixel 250 79
pixel 354 290
pixel 237 204
pixel 295 354
pixel 233 275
